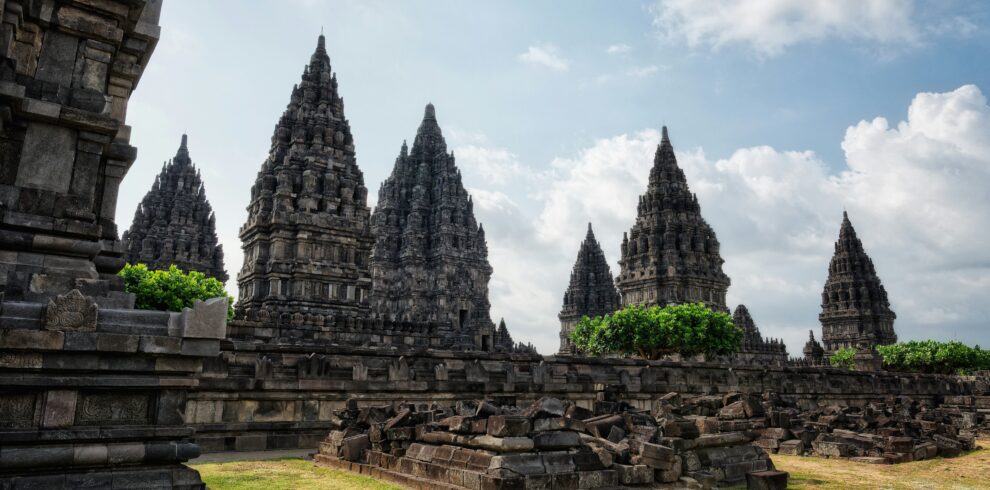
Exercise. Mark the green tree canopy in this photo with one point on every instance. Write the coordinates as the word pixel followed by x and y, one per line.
pixel 843 358
pixel 930 356
pixel 654 332
pixel 171 289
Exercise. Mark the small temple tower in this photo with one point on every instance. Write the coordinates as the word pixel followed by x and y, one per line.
pixel 174 223
pixel 813 351
pixel 307 237
pixel 671 255
pixel 855 311
pixel 591 291
pixel 756 348
pixel 430 258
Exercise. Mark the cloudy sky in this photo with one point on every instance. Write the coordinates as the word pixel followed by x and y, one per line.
pixel 782 113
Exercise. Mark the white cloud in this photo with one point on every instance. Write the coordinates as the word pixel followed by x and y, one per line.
pixel 915 192
pixel 768 27
pixel 546 55
pixel 618 49
pixel 495 166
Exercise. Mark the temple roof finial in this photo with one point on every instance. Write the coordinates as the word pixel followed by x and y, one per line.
pixel 184 144
pixel 663 136
pixel 321 42
pixel 431 112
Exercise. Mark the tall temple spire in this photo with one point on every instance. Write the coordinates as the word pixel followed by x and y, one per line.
pixel 307 238
pixel 430 259
pixel 671 254
pixel 855 310
pixel 590 292
pixel 174 223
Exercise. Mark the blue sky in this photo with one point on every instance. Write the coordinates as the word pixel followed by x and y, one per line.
pixel 553 110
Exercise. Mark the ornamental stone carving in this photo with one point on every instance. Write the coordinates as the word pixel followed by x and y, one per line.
pixel 71 312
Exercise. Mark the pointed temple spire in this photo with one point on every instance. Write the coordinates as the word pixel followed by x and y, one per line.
pixel 855 310
pixel 307 237
pixel 430 259
pixel 813 351
pixel 756 349
pixel 591 290
pixel 671 254
pixel 174 222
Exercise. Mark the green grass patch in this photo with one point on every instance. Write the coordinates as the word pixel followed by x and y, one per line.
pixel 283 474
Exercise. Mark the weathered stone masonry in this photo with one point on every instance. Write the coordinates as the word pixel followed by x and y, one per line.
pixel 266 396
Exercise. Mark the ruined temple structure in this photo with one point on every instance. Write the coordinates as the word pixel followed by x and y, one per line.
pixel 855 311
pixel 813 351
pixel 591 291
pixel 755 348
pixel 430 260
pixel 671 255
pixel 174 223
pixel 92 392
pixel 307 238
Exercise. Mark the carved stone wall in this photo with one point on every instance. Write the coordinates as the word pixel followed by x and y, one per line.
pixel 671 255
pixel 258 396
pixel 430 261
pixel 855 310
pixel 307 238
pixel 174 224
pixel 591 291
pixel 67 70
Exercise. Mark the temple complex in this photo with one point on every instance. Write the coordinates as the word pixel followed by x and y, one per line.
pixel 591 291
pixel 855 311
pixel 174 223
pixel 430 259
pixel 671 255
pixel 755 349
pixel 307 238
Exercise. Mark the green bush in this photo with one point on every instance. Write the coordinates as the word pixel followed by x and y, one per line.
pixel 171 289
pixel 843 358
pixel 654 332
pixel 930 356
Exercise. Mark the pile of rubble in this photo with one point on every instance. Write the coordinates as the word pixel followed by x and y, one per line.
pixel 549 444
pixel 896 431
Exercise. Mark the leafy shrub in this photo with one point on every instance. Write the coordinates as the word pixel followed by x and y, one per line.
pixel 171 289
pixel 654 332
pixel 843 358
pixel 930 356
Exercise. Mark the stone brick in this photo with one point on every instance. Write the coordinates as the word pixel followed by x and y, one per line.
pixel 767 480
pixel 634 474
pixel 508 426
pixel 60 408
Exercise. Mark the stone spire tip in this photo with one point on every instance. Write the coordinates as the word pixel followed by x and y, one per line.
pixel 431 112
pixel 184 144
pixel 663 136
pixel 321 42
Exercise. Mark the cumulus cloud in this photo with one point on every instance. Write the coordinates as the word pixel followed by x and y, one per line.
pixel 915 191
pixel 768 27
pixel 618 49
pixel 546 55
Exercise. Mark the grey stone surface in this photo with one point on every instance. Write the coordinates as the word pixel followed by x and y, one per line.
pixel 174 224
pixel 47 158
pixel 591 291
pixel 855 310
pixel 206 319
pixel 671 254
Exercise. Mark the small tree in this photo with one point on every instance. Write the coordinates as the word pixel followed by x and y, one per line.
pixel 843 358
pixel 171 289
pixel 655 332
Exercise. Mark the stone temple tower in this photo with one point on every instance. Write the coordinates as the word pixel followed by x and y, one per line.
pixel 430 260
pixel 174 223
pixel 307 237
pixel 671 255
pixel 855 311
pixel 755 348
pixel 591 291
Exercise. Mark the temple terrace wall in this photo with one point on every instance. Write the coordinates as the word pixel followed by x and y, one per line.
pixel 255 397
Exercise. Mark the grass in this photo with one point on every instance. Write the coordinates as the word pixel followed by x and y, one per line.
pixel 283 474
pixel 969 471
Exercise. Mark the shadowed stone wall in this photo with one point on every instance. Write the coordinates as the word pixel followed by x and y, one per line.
pixel 263 396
